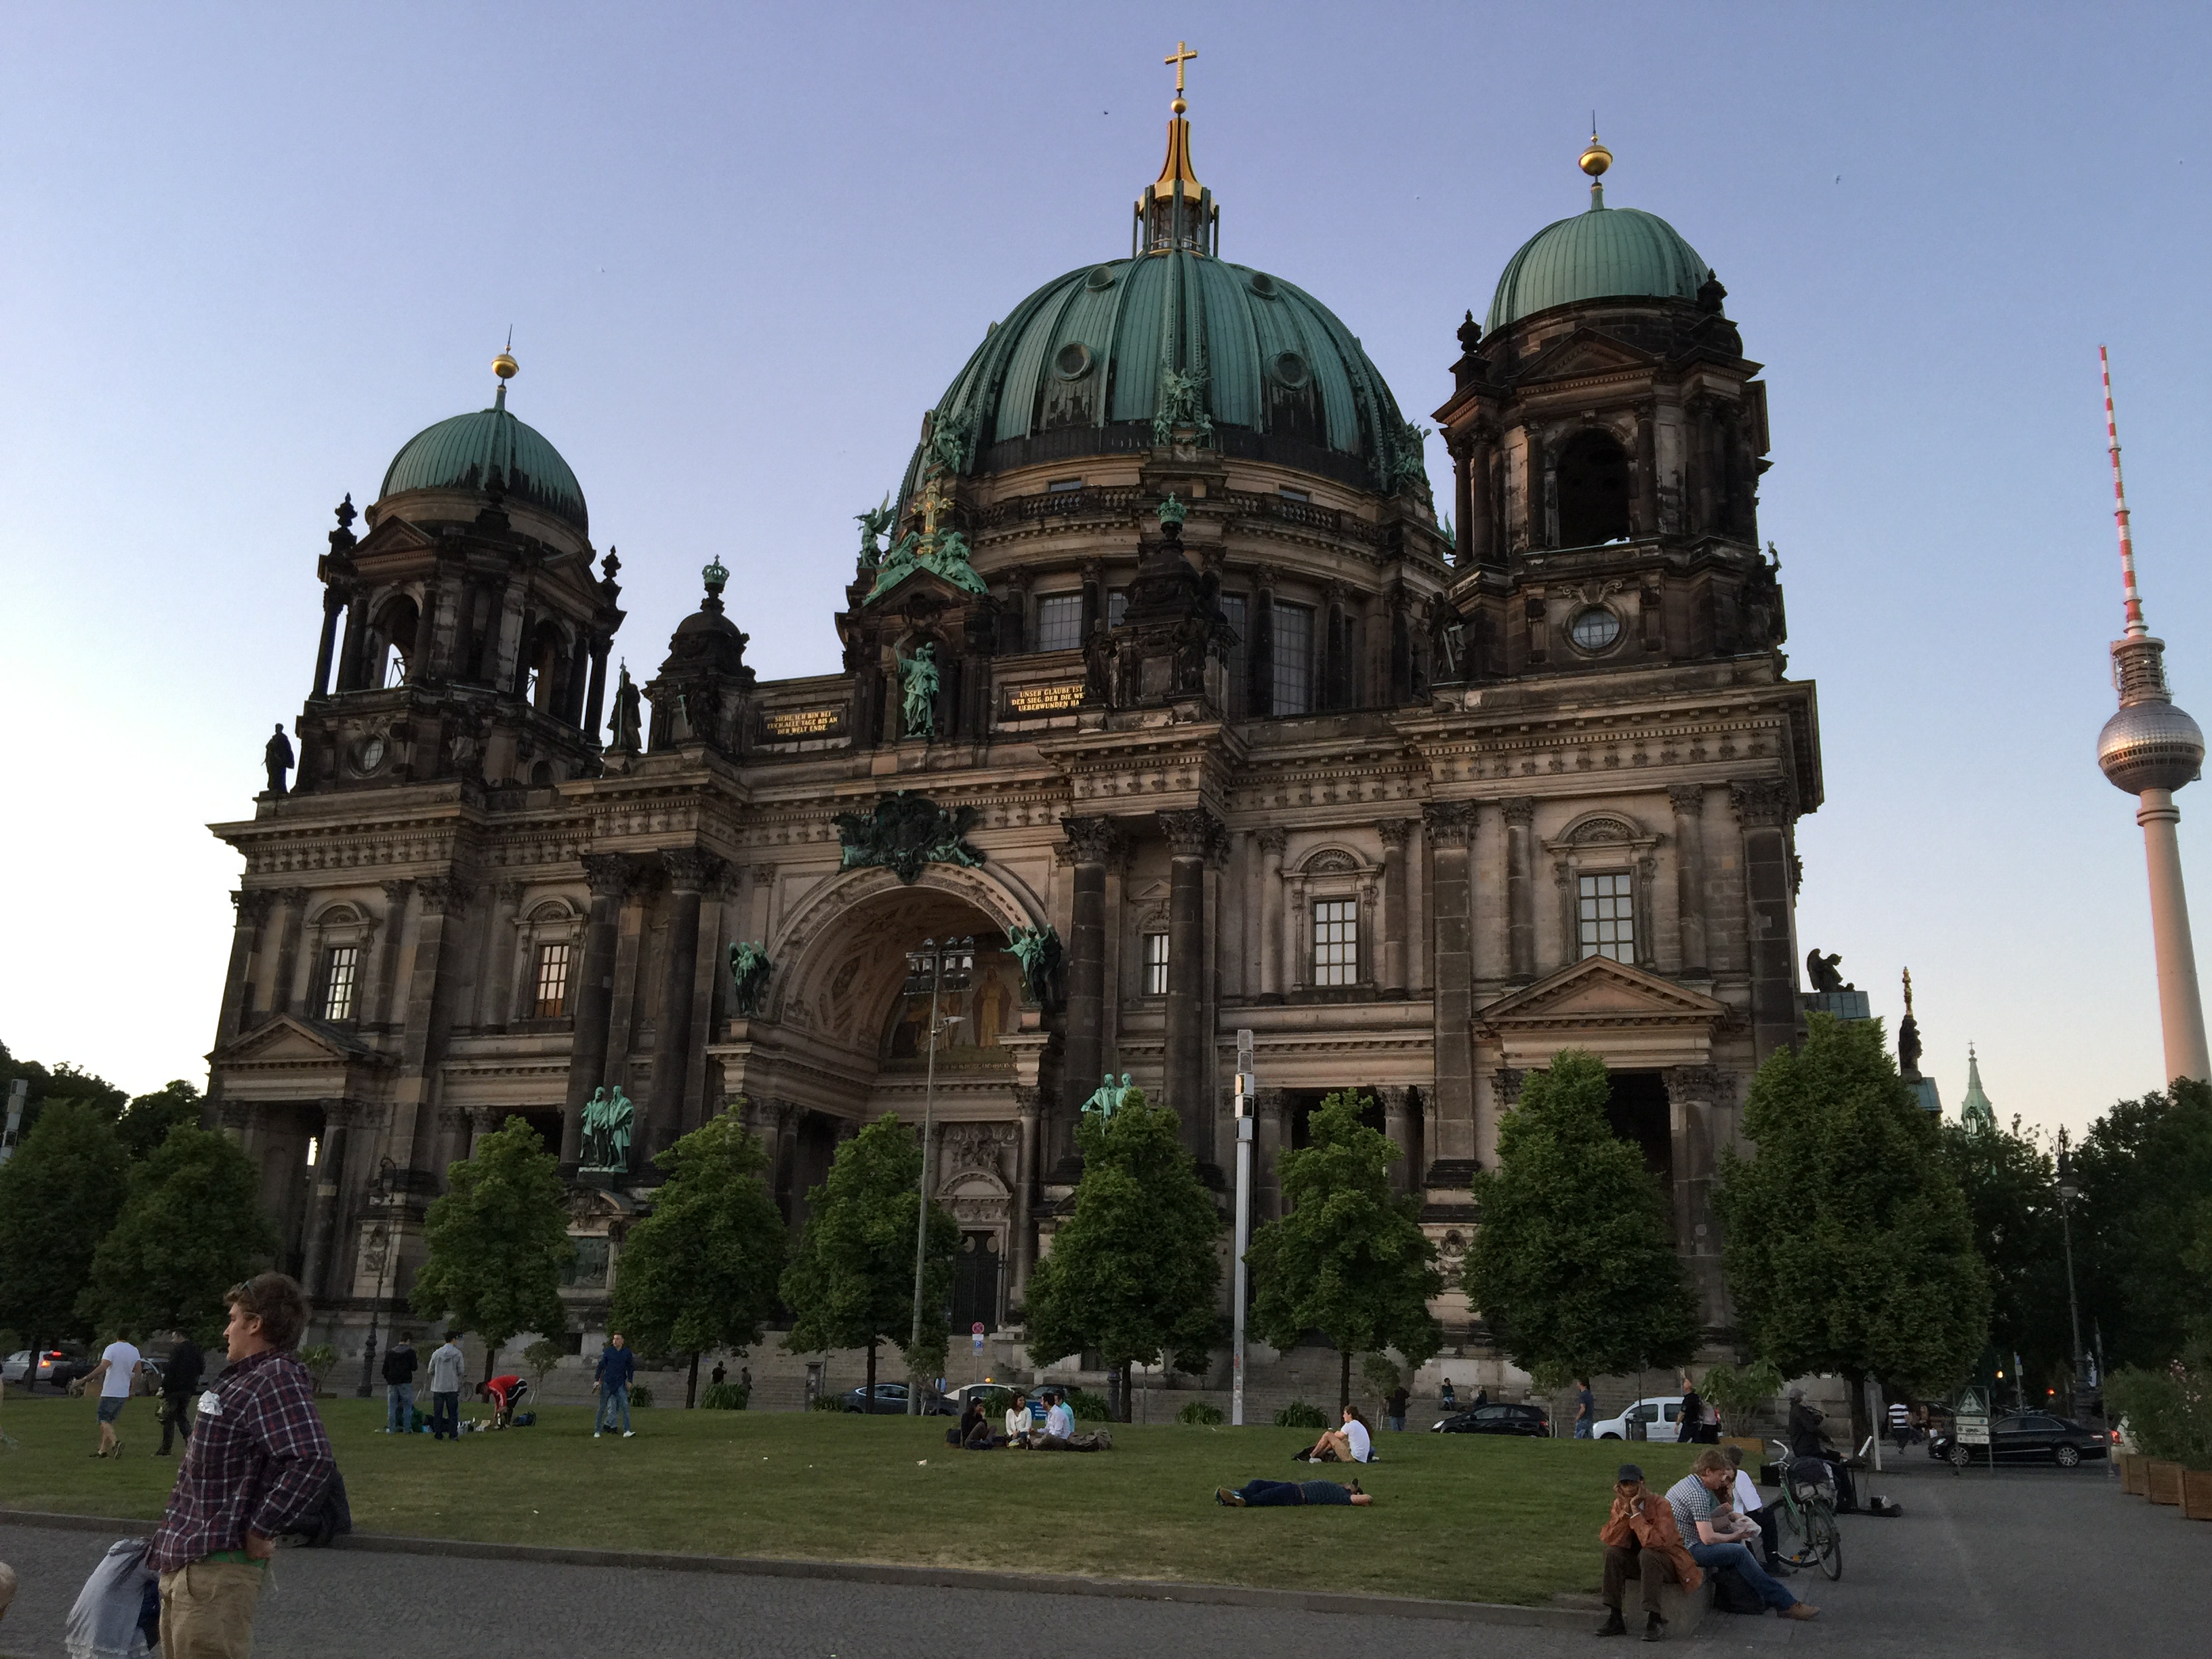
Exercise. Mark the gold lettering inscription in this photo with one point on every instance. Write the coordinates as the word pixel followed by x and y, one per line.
pixel 802 722
pixel 1045 699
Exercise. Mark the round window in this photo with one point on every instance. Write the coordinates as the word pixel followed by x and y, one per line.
pixel 1100 278
pixel 1073 362
pixel 1594 629
pixel 1263 285
pixel 1290 369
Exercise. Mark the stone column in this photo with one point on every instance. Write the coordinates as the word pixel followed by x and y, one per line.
pixel 1461 447
pixel 706 979
pixel 608 874
pixel 252 905
pixel 595 702
pixel 291 922
pixel 1693 1092
pixel 787 1159
pixel 687 872
pixel 1398 1127
pixel 1520 888
pixel 1481 511
pixel 351 644
pixel 1268 1134
pixel 323 1198
pixel 495 997
pixel 1393 832
pixel 1027 1102
pixel 1688 800
pixel 1763 809
pixel 1091 842
pixel 1189 835
pixel 1271 912
pixel 1452 827
pixel 333 602
pixel 422 1025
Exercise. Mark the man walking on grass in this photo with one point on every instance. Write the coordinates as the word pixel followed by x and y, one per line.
pixel 257 1463
pixel 180 1380
pixel 445 1390
pixel 118 1369
pixel 612 1376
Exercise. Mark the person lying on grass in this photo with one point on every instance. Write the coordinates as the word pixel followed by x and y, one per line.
pixel 1272 1494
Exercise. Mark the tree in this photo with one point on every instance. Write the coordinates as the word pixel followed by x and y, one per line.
pixel 1575 1268
pixel 2011 1192
pixel 851 1283
pixel 58 1197
pixel 63 1082
pixel 1849 1245
pixel 145 1121
pixel 1349 1259
pixel 191 1227
pixel 701 1271
pixel 2145 1172
pixel 498 1240
pixel 1133 1273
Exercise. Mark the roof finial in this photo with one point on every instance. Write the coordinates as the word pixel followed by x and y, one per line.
pixel 1182 54
pixel 1176 211
pixel 505 367
pixel 1594 160
pixel 1908 995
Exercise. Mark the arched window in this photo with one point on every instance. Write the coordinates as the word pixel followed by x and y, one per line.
pixel 547 657
pixel 395 637
pixel 1593 479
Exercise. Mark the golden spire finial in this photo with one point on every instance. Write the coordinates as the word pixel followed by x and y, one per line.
pixel 504 365
pixel 1595 157
pixel 1182 54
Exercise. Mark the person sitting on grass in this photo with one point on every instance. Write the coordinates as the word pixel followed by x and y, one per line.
pixel 1020 1423
pixel 974 1433
pixel 1275 1494
pixel 1351 1443
pixel 1712 1538
pixel 1641 1542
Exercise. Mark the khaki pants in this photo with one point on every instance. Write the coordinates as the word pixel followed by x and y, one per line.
pixel 1622 1563
pixel 207 1609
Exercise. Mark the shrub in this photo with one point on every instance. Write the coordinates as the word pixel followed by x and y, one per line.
pixel 1378 1378
pixel 1739 1391
pixel 725 1397
pixel 1202 1413
pixel 1089 1406
pixel 641 1394
pixel 1299 1415
pixel 321 1360
pixel 541 1356
pixel 2168 1412
pixel 827 1402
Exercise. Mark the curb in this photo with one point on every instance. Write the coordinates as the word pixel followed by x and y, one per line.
pixel 863 1572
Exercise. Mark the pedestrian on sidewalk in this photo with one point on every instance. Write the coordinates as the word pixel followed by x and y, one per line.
pixel 1393 1408
pixel 180 1380
pixel 258 1463
pixel 445 1363
pixel 1694 1499
pixel 610 1377
pixel 1901 1422
pixel 399 1385
pixel 1585 1409
pixel 118 1365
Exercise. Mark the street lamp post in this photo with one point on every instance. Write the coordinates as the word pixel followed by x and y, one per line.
pixel 2068 1191
pixel 383 1168
pixel 1247 1087
pixel 931 964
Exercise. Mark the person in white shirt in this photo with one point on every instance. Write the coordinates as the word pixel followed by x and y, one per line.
pixel 1752 1506
pixel 1351 1443
pixel 116 1370
pixel 1059 1422
pixel 1020 1423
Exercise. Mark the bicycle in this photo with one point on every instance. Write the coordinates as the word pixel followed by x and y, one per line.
pixel 1806 1513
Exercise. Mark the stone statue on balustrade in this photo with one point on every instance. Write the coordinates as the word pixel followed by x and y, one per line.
pixel 1107 1098
pixel 607 1119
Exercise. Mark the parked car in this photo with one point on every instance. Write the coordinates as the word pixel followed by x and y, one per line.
pixel 890 1402
pixel 2027 1436
pixel 1660 1415
pixel 1523 1419
pixel 996 1398
pixel 54 1366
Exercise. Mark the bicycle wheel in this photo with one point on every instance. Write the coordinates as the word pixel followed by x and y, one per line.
pixel 1827 1541
pixel 1790 1535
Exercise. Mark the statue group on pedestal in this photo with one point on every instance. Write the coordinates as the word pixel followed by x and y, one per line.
pixel 1107 1099
pixel 607 1118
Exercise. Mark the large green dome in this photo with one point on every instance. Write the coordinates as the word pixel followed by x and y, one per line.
pixel 1603 253
pixel 474 451
pixel 1079 367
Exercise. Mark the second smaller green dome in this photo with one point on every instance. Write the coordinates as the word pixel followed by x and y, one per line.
pixel 473 452
pixel 1603 253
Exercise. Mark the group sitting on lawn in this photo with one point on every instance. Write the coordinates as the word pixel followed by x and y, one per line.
pixel 1693 1531
pixel 1057 1434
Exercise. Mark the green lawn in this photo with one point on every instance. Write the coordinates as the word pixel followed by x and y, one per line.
pixel 1459 1516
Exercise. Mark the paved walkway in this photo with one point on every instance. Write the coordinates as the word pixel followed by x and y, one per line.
pixel 2023 1565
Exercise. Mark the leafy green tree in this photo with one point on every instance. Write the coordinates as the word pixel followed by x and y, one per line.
pixel 2145 1172
pixel 1133 1273
pixel 498 1241
pixel 1850 1248
pixel 191 1227
pixel 145 1121
pixel 851 1283
pixel 2011 1189
pixel 701 1271
pixel 1575 1268
pixel 58 1197
pixel 1349 1258
pixel 63 1082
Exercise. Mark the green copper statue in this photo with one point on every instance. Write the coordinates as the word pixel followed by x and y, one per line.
pixel 875 522
pixel 749 969
pixel 607 1117
pixel 1108 1098
pixel 918 677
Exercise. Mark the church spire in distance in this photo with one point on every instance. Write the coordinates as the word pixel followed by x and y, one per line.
pixel 1975 1110
pixel 2150 749
pixel 1175 210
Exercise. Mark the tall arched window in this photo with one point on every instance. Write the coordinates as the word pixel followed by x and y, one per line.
pixel 1593 480
pixel 396 625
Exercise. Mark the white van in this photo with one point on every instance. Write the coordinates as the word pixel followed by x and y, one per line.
pixel 1659 1415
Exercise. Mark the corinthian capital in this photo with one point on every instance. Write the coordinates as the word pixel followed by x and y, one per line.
pixel 688 868
pixel 1091 840
pixel 607 873
pixel 1451 822
pixel 1761 803
pixel 443 896
pixel 1190 832
pixel 1393 831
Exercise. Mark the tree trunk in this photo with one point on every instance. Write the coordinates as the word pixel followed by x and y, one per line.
pixel 691 1384
pixel 1859 1424
pixel 1128 1393
pixel 868 1399
pixel 1343 1380
pixel 491 1356
pixel 1114 1373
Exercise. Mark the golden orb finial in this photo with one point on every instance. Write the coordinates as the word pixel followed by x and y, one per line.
pixel 504 365
pixel 1596 158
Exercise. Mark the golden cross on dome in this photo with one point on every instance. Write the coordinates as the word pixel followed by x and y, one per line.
pixel 1182 54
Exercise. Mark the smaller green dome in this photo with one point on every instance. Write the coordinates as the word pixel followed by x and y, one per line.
pixel 1602 253
pixel 490 446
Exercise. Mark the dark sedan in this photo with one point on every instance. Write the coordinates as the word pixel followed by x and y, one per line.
pixel 1530 1421
pixel 2025 1437
pixel 890 1402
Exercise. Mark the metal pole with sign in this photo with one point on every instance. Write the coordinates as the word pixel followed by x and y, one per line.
pixel 937 967
pixel 1245 1090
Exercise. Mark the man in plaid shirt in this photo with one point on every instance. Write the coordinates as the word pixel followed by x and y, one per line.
pixel 257 1463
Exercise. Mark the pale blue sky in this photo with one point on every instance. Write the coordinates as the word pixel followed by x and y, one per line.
pixel 250 250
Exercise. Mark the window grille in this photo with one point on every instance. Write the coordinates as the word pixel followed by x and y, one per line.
pixel 552 1000
pixel 1235 611
pixel 1293 687
pixel 1059 621
pixel 1336 941
pixel 339 966
pixel 1605 917
pixel 1156 965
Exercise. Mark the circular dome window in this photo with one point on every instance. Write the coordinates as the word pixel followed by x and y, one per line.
pixel 1263 285
pixel 1102 277
pixel 1072 362
pixel 1291 370
pixel 1594 629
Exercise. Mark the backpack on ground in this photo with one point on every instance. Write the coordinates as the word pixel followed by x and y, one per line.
pixel 1732 1594
pixel 1888 1508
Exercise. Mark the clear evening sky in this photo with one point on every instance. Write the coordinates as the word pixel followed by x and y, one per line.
pixel 250 250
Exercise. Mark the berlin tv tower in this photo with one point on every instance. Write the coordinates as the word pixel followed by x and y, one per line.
pixel 2150 749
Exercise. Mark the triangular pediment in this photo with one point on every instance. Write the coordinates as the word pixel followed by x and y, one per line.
pixel 1598 991
pixel 1585 352
pixel 287 1040
pixel 394 534
pixel 919 580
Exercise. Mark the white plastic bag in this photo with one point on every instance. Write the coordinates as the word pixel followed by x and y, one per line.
pixel 103 1622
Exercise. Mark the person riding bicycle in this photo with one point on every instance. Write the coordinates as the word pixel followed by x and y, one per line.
pixel 1808 1440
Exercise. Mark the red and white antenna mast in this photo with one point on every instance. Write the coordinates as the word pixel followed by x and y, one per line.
pixel 2133 595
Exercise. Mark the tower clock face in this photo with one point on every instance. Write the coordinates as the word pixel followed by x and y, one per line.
pixel 369 753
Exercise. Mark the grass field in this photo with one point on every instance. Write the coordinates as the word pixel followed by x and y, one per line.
pixel 1459 1516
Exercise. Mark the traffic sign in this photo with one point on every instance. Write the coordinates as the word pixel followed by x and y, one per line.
pixel 1973 1431
pixel 975 1329
pixel 978 1342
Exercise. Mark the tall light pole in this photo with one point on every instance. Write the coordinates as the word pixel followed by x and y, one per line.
pixel 2068 1191
pixel 1246 1088
pixel 2150 749
pixel 931 964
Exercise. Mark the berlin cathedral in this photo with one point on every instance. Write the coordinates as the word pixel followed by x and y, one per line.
pixel 1167 691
